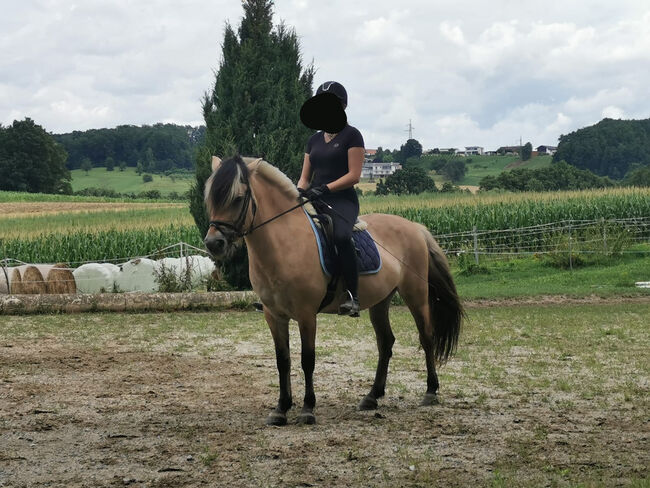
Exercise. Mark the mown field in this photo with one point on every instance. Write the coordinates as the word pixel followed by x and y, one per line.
pixel 128 181
pixel 545 395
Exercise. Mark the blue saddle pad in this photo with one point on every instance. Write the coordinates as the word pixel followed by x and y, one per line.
pixel 369 260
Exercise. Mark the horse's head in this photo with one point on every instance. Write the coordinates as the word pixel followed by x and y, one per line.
pixel 230 205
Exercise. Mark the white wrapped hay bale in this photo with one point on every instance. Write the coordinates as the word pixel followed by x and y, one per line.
pixel 138 275
pixel 5 280
pixel 114 269
pixel 202 268
pixel 172 266
pixel 94 278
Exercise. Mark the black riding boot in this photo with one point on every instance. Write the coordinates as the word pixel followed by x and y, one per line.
pixel 348 260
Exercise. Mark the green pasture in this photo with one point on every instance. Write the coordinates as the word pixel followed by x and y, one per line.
pixel 482 166
pixel 128 181
pixel 535 276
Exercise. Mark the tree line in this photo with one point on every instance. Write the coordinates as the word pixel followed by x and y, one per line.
pixel 609 148
pixel 152 148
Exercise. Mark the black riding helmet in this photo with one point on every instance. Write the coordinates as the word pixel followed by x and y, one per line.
pixel 326 110
pixel 336 88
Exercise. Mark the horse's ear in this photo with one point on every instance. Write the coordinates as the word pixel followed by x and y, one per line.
pixel 216 161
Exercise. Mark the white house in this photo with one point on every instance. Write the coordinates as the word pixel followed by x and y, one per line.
pixel 379 170
pixel 477 150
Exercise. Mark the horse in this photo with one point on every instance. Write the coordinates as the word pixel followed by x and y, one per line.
pixel 251 199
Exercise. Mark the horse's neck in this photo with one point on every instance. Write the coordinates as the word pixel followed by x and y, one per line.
pixel 271 201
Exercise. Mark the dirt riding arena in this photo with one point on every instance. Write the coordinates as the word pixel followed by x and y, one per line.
pixel 551 395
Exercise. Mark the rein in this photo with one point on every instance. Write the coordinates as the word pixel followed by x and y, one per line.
pixel 236 227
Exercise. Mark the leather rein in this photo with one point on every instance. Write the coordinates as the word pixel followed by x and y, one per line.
pixel 236 228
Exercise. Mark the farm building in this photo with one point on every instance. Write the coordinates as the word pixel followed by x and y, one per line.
pixel 546 150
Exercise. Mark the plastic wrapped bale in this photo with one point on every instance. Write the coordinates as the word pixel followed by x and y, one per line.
pixel 202 268
pixel 138 275
pixel 172 265
pixel 94 278
pixel 114 269
pixel 5 280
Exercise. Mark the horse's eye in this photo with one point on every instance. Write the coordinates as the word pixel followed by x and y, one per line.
pixel 238 199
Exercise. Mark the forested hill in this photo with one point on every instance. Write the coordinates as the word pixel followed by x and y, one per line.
pixel 608 148
pixel 158 147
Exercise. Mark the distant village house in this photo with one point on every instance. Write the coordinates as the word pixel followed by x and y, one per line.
pixel 546 150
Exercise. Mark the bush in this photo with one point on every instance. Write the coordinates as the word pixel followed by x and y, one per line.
pixel 406 181
pixel 147 178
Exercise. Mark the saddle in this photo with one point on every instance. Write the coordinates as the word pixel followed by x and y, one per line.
pixel 368 257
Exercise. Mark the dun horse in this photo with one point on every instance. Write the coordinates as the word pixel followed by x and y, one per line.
pixel 285 272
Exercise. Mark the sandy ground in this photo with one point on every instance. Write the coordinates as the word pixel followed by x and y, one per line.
pixel 117 415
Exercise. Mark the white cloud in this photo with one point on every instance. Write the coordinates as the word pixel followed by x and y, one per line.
pixel 466 73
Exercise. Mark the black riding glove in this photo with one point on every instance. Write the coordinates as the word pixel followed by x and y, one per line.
pixel 316 192
pixel 301 193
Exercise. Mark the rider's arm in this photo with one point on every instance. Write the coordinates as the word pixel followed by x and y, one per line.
pixel 352 177
pixel 305 176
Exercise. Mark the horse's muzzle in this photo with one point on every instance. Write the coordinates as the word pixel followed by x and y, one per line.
pixel 217 245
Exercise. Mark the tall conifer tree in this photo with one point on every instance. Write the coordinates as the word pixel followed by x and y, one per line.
pixel 253 107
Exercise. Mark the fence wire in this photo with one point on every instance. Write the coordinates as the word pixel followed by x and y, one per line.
pixel 603 236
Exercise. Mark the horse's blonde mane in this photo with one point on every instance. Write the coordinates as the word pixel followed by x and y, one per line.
pixel 274 175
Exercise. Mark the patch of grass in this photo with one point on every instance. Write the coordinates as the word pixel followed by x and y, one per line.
pixel 530 277
pixel 127 181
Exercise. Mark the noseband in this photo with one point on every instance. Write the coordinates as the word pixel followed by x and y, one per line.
pixel 236 228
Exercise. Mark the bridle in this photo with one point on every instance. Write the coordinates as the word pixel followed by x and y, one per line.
pixel 236 228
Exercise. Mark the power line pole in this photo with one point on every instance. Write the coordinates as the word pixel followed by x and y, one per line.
pixel 410 129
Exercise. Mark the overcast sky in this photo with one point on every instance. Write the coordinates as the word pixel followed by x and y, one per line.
pixel 465 72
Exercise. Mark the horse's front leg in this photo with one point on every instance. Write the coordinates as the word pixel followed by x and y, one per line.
pixel 280 332
pixel 308 359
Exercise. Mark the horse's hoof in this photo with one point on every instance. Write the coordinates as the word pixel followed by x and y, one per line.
pixel 429 399
pixel 277 419
pixel 306 418
pixel 368 403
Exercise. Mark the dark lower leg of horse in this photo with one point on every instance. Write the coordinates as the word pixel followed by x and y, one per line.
pixel 280 332
pixel 431 396
pixel 385 341
pixel 308 361
pixel 425 329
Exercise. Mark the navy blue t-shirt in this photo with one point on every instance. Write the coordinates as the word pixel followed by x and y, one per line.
pixel 329 160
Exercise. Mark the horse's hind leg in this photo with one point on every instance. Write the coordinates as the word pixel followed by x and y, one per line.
pixel 418 305
pixel 385 341
pixel 307 328
pixel 280 332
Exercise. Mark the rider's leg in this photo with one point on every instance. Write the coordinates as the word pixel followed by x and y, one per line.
pixel 348 262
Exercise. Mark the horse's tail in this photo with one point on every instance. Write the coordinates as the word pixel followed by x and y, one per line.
pixel 444 304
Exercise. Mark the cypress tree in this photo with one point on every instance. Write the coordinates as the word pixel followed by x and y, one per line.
pixel 253 107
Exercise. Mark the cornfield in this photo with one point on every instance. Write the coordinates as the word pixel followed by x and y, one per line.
pixel 108 245
pixel 447 215
pixel 109 235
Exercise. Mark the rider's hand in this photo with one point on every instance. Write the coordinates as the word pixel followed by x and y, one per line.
pixel 316 192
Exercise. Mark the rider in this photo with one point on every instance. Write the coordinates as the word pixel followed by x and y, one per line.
pixel 331 167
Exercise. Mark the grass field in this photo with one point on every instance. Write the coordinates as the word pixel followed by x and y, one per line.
pixel 553 395
pixel 127 181
pixel 482 166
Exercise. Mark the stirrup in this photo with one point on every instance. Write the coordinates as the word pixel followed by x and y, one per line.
pixel 350 307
